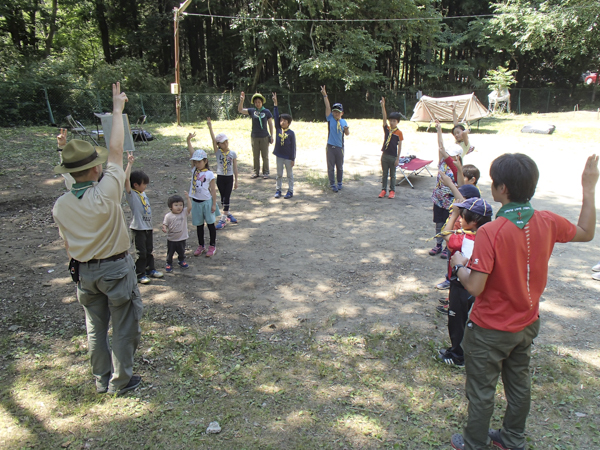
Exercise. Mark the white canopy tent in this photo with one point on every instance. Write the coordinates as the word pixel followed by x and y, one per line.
pixel 468 109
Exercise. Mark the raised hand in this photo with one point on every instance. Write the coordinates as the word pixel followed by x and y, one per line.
pixel 130 158
pixel 119 98
pixel 589 177
pixel 323 91
pixel 191 136
pixel 274 96
pixel 382 101
pixel 61 139
pixel 438 125
pixel 208 122
pixel 242 96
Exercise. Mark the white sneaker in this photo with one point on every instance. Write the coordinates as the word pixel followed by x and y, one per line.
pixel 596 276
pixel 596 268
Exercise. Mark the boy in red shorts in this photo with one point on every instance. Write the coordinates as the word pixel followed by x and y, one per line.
pixel 507 274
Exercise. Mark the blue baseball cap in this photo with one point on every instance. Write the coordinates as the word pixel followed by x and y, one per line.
pixel 337 107
pixel 477 205
pixel 469 191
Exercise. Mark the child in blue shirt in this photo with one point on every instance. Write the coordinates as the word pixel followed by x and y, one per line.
pixel 337 129
pixel 285 150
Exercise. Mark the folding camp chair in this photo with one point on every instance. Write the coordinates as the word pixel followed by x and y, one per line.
pixel 78 129
pixel 138 132
pixel 414 167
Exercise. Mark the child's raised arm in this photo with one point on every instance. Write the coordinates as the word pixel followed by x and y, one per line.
pixel 212 135
pixel 326 101
pixel 454 117
pixel 449 225
pixel 450 184
pixel 460 178
pixel 241 108
pixel 189 143
pixel 130 160
pixel 442 151
pixel 189 203
pixel 383 112
pixel 276 111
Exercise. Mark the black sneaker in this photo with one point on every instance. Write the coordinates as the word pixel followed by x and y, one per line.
pixel 442 309
pixel 497 441
pixel 134 382
pixel 443 301
pixel 446 358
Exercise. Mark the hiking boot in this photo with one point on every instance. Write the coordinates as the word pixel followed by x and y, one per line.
pixel 382 193
pixel 435 250
pixel 144 280
pixel 392 194
pixel 457 442
pixel 334 188
pixel 442 309
pixel 496 437
pixel 289 194
pixel 199 250
pixel 134 382
pixel 155 274
pixel 221 224
pixel 168 268
pixel 443 285
pixel 183 264
pixel 277 193
pixel 445 254
pixel 211 251
pixel 231 219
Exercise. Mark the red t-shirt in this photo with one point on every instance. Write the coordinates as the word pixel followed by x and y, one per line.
pixel 517 264
pixel 455 244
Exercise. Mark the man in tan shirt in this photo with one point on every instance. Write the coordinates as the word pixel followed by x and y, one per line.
pixel 91 222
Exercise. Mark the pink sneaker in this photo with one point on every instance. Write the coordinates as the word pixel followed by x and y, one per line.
pixel 199 250
pixel 211 251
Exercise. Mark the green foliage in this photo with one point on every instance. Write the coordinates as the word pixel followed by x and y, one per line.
pixel 500 79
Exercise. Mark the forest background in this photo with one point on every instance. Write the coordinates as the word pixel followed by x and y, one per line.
pixel 65 53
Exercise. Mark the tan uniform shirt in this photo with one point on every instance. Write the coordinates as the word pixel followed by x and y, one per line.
pixel 94 226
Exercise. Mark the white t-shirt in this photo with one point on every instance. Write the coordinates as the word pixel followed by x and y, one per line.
pixel 222 159
pixel 176 224
pixel 200 184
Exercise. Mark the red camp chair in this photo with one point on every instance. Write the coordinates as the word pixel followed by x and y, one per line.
pixel 414 167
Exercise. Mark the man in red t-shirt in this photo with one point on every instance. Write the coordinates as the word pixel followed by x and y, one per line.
pixel 507 274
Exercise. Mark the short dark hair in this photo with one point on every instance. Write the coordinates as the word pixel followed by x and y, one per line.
pixel 81 173
pixel 458 126
pixel 470 171
pixel 518 172
pixel 174 199
pixel 470 216
pixel 395 115
pixel 138 177
pixel 286 117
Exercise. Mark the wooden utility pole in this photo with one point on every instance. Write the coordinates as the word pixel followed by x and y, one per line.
pixel 176 87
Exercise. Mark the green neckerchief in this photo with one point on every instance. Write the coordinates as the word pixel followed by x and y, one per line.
pixel 78 189
pixel 258 110
pixel 517 213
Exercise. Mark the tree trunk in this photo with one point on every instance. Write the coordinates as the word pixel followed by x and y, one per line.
pixel 103 27
pixel 52 31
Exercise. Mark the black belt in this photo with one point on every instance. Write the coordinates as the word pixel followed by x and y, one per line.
pixel 116 257
pixel 198 201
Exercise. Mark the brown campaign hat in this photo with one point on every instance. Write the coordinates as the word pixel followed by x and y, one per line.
pixel 80 155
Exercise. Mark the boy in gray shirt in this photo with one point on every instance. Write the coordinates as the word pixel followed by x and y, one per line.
pixel 141 223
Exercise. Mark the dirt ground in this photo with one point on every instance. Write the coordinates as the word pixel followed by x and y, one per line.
pixel 349 257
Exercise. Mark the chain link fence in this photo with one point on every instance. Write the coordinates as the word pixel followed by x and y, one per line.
pixel 30 104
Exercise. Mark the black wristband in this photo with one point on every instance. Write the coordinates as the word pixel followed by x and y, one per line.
pixel 58 149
